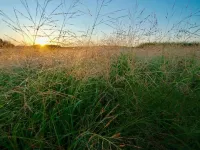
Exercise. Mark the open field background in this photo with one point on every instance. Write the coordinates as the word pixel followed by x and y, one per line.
pixel 97 55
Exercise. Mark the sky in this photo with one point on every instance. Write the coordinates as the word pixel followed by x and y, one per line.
pixel 139 19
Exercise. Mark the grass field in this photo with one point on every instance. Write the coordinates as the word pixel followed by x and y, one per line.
pixel 100 99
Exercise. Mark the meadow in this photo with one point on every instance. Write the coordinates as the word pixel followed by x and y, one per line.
pixel 100 98
pixel 99 75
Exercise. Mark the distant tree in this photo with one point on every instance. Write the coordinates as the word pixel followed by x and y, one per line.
pixel 1 43
pixel 5 44
pixel 53 46
pixel 46 46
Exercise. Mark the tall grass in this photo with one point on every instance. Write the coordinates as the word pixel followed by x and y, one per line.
pixel 99 99
pixel 150 104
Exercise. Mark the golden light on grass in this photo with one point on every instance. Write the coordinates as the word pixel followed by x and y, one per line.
pixel 42 41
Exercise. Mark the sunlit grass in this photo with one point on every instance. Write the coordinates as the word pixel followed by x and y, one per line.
pixel 138 104
pixel 95 98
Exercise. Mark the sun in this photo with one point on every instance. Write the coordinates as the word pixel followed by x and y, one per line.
pixel 42 41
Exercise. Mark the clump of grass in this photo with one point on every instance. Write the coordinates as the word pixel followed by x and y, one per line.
pixel 150 104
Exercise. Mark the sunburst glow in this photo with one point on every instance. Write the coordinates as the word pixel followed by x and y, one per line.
pixel 42 41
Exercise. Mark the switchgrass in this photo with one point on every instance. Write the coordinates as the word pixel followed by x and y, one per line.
pixel 92 98
pixel 139 104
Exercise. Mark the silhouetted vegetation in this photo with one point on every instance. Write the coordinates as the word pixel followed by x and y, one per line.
pixel 185 44
pixel 46 46
pixel 5 44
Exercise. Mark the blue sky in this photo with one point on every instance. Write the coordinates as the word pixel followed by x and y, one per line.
pixel 176 10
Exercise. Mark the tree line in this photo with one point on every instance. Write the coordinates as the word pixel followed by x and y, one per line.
pixel 5 44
